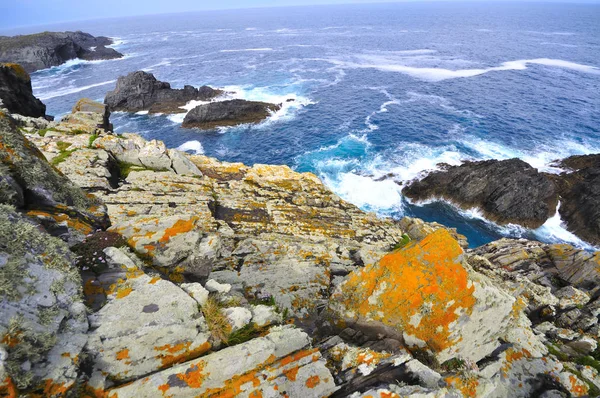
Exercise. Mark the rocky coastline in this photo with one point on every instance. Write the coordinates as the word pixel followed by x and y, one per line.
pixel 47 49
pixel 128 269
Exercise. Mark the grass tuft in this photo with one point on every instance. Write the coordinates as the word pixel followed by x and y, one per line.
pixel 217 321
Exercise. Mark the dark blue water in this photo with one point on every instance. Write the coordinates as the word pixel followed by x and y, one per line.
pixel 380 90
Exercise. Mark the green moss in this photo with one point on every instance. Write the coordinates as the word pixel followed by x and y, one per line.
pixel 42 132
pixel 453 364
pixel 405 240
pixel 93 138
pixel 76 132
pixel 558 353
pixel 61 157
pixel 588 361
pixel 247 333
pixel 31 346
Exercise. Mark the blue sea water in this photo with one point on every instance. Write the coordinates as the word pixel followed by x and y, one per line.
pixel 381 92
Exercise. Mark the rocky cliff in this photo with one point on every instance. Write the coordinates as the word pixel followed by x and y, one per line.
pixel 16 93
pixel 47 49
pixel 219 279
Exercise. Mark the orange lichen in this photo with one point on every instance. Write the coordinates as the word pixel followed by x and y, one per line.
pixel 194 376
pixel 421 290
pixel 255 394
pixel 154 280
pixel 511 356
pixel 181 352
pixel 313 381
pixel 8 389
pixel 52 389
pixel 578 388
pixel 11 340
pixel 124 291
pixel 388 394
pixel 467 385
pixel 180 227
pixel 292 373
pixel 123 354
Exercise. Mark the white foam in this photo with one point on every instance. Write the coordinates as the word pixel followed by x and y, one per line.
pixel 434 74
pixel 176 118
pixel 265 49
pixel 72 90
pixel 116 42
pixel 554 231
pixel 250 28
pixel 368 193
pixel 191 146
pixel 142 113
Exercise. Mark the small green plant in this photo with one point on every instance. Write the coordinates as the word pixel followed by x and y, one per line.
pixel 453 364
pixel 42 132
pixel 588 361
pixel 217 322
pixel 552 349
pixel 77 132
pixel 63 154
pixel 244 334
pixel 93 138
pixel 405 240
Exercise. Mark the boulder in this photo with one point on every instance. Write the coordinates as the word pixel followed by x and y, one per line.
pixel 43 50
pixel 278 364
pixel 425 295
pixel 87 116
pixel 141 91
pixel 43 324
pixel 228 113
pixel 146 325
pixel 31 183
pixel 16 93
pixel 507 191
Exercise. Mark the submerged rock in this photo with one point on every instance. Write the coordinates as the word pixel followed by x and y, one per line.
pixel 228 113
pixel 140 91
pixel 16 93
pixel 507 191
pixel 43 50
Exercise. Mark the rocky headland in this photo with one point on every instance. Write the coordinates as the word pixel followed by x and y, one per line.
pixel 512 191
pixel 141 91
pixel 47 49
pixel 228 113
pixel 16 93
pixel 128 269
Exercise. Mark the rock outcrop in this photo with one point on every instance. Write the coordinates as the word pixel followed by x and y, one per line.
pixel 188 289
pixel 47 49
pixel 16 94
pixel 580 196
pixel 29 182
pixel 507 191
pixel 228 113
pixel 140 91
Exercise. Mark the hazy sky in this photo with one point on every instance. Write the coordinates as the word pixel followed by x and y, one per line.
pixel 37 12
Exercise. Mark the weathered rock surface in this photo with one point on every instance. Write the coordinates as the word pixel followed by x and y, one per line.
pixel 43 320
pixel 580 197
pixel 228 113
pixel 140 91
pixel 279 364
pixel 425 296
pixel 29 182
pixel 43 50
pixel 16 93
pixel 87 114
pixel 508 191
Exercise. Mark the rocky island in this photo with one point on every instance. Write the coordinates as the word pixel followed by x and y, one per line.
pixel 47 49
pixel 128 269
pixel 228 113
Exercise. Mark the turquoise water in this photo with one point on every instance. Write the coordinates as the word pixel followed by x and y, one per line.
pixel 381 92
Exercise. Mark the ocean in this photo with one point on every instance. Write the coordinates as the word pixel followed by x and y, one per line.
pixel 381 93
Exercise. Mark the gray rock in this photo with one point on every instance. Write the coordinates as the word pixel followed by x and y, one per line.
pixel 43 50
pixel 139 91
pixel 228 113
pixel 16 92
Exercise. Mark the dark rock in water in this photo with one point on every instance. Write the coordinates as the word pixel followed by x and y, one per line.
pixel 47 49
pixel 580 196
pixel 228 113
pixel 141 91
pixel 16 94
pixel 508 191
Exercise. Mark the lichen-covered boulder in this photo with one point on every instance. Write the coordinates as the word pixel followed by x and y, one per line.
pixel 43 321
pixel 428 296
pixel 63 208
pixel 146 325
pixel 279 364
pixel 88 116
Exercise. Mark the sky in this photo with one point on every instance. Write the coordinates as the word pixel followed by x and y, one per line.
pixel 15 13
